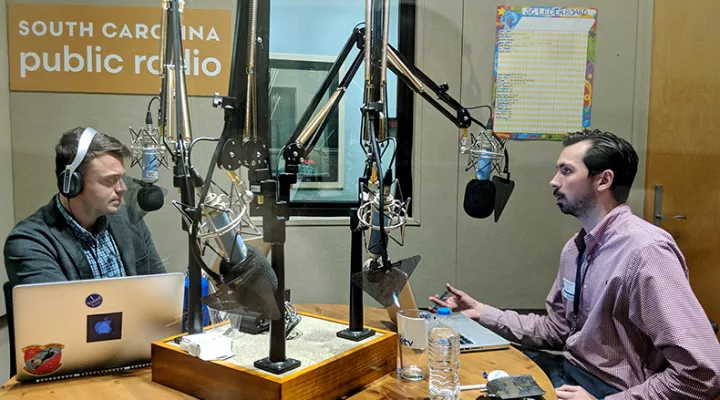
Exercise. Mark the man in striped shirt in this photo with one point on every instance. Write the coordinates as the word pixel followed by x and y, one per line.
pixel 621 309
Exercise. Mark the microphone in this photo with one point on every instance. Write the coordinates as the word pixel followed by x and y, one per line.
pixel 227 232
pixel 485 154
pixel 394 214
pixel 150 197
pixel 149 154
pixel 479 201
pixel 149 148
pixel 224 214
pixel 248 281
pixel 139 199
pixel 383 282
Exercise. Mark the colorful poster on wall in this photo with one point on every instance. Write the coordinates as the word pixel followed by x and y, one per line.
pixel 543 73
pixel 112 49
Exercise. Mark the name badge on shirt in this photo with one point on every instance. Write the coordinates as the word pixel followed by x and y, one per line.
pixel 568 290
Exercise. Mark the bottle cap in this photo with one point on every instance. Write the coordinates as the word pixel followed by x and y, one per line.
pixel 443 311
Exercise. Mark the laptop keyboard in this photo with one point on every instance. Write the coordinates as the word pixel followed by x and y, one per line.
pixel 465 340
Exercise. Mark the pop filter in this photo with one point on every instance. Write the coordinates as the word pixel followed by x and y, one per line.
pixel 247 286
pixel 385 285
pixel 503 189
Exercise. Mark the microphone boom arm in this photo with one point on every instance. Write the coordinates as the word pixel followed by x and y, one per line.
pixel 309 129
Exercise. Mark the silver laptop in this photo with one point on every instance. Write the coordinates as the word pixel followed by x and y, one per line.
pixel 475 337
pixel 78 328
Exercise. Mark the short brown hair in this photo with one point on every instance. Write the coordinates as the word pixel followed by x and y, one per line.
pixel 101 143
pixel 608 151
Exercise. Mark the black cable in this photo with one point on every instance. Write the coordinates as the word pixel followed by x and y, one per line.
pixel 492 132
pixel 190 164
pixel 148 120
pixel 150 103
pixel 200 139
pixel 476 107
pixel 480 123
pixel 392 160
pixel 506 170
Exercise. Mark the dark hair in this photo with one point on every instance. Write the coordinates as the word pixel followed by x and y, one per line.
pixel 608 151
pixel 101 143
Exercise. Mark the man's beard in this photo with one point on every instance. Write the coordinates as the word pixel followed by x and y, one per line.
pixel 578 208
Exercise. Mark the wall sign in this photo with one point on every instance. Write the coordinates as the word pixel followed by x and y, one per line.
pixel 543 74
pixel 112 49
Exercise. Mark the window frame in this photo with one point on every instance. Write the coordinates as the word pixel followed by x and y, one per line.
pixel 405 128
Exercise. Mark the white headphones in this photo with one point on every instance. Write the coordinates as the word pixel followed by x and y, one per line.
pixel 70 181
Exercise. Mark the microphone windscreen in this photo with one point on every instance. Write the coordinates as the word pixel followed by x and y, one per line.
pixel 150 198
pixel 249 285
pixel 479 199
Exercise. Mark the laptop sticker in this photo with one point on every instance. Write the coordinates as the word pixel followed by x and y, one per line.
pixel 94 300
pixel 42 360
pixel 103 327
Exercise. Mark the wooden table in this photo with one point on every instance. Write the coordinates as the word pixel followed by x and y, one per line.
pixel 138 384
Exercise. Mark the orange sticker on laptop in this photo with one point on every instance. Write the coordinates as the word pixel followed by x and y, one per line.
pixel 42 360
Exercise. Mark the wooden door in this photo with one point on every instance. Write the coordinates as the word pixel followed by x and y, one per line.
pixel 684 137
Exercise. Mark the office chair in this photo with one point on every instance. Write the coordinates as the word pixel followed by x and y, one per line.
pixel 7 290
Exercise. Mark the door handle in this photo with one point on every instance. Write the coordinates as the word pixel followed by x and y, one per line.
pixel 657 210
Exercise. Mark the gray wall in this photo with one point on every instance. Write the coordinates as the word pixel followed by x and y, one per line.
pixel 512 263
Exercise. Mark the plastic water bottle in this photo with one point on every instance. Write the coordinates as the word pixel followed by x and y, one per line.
pixel 443 357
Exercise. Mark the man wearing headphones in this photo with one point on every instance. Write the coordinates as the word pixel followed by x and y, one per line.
pixel 83 232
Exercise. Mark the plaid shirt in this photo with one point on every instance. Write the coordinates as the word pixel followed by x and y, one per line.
pixel 100 249
pixel 640 328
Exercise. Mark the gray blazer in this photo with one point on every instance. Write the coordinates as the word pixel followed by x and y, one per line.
pixel 42 248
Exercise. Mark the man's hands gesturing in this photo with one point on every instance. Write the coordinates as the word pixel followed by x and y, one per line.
pixel 459 301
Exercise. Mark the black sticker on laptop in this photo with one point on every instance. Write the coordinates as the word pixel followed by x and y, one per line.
pixel 94 300
pixel 103 327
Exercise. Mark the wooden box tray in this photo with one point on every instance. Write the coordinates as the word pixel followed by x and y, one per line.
pixel 331 367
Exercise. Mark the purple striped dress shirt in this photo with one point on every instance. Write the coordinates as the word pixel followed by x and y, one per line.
pixel 640 327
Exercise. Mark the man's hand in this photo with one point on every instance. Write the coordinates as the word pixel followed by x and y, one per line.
pixel 573 392
pixel 460 301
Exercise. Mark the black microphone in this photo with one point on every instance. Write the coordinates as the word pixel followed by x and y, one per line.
pixel 141 198
pixel 149 153
pixel 479 199
pixel 150 197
